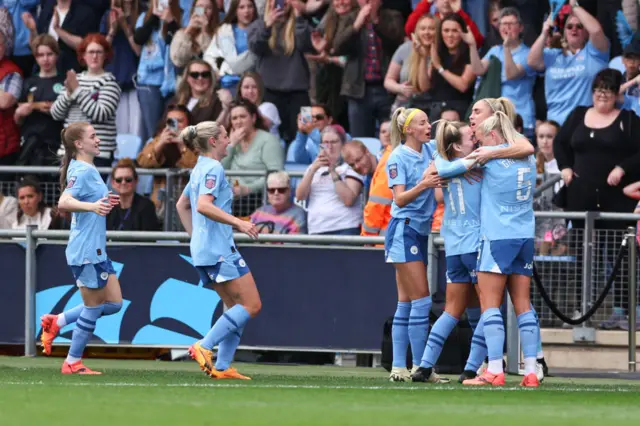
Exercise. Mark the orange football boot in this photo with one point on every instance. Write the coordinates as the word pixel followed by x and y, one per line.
pixel 232 373
pixel 486 379
pixel 50 330
pixel 78 368
pixel 203 357
pixel 530 381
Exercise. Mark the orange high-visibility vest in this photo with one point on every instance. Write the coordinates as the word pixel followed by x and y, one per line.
pixel 377 211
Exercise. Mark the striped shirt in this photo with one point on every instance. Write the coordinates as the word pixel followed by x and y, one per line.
pixel 95 101
pixel 12 84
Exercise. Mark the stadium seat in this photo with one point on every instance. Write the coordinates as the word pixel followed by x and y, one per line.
pixel 128 146
pixel 373 145
pixel 296 167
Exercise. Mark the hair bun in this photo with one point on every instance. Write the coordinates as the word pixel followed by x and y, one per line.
pixel 192 132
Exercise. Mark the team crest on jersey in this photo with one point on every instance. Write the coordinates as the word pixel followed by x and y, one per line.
pixel 58 88
pixel 104 275
pixel 71 182
pixel 210 181
pixel 393 170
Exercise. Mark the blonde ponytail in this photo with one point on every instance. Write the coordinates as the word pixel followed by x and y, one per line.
pixel 501 123
pixel 447 134
pixel 400 119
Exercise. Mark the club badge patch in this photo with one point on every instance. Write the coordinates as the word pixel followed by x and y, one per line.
pixel 210 181
pixel 71 182
pixel 393 170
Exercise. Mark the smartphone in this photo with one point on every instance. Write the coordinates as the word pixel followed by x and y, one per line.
pixel 162 5
pixel 305 115
pixel 172 124
pixel 279 4
pixel 198 11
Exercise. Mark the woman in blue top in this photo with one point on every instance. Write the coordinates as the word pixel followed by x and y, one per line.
pixel 205 212
pixel 568 72
pixel 412 180
pixel 507 249
pixel 87 197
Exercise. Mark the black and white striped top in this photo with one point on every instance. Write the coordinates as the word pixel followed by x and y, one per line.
pixel 95 101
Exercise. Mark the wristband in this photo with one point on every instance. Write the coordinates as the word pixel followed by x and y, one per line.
pixel 440 70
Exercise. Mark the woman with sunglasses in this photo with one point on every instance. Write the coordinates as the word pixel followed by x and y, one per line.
pixel 568 72
pixel 197 91
pixel 280 215
pixel 135 212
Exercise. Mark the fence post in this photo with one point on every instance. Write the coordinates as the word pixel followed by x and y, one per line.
pixel 168 201
pixel 585 332
pixel 30 293
pixel 631 236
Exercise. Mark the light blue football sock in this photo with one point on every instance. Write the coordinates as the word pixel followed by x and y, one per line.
pixel 234 319
pixel 493 333
pixel 400 334
pixel 70 316
pixel 83 331
pixel 529 331
pixel 473 316
pixel 111 308
pixel 438 335
pixel 539 353
pixel 227 349
pixel 478 350
pixel 419 327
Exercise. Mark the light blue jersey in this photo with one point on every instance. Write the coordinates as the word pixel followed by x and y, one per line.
pixel 405 167
pixel 461 220
pixel 88 237
pixel 211 241
pixel 507 198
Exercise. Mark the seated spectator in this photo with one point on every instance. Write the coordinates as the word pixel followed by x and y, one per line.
pixel 8 211
pixel 306 145
pixel 443 7
pixel 271 118
pixel 197 91
pixel 118 24
pixel 92 96
pixel 280 216
pixel 449 114
pixel 39 131
pixel 569 72
pixel 630 89
pixel 451 73
pixel 332 190
pixel 10 90
pixel 250 148
pixel 69 22
pixel 377 211
pixel 32 210
pixel 167 150
pixel 135 212
pixel 407 76
pixel 279 42
pixel 190 43
pixel 517 77
pixel 251 88
pixel 228 53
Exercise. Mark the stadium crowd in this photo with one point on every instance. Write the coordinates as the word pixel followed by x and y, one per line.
pixel 311 86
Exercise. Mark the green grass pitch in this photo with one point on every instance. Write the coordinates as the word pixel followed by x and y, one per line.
pixel 33 392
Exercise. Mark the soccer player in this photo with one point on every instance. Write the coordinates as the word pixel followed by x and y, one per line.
pixel 412 180
pixel 507 249
pixel 205 212
pixel 87 197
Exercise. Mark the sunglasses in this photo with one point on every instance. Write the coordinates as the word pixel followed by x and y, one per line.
pixel 196 75
pixel 319 117
pixel 277 190
pixel 127 179
pixel 576 26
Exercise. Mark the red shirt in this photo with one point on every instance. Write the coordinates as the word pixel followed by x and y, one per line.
pixel 424 7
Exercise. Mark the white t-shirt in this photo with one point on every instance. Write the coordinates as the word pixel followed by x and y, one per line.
pixel 551 169
pixel 41 220
pixel 8 209
pixel 325 210
pixel 62 15
pixel 192 104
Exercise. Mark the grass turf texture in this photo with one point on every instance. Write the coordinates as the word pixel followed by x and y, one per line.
pixel 32 391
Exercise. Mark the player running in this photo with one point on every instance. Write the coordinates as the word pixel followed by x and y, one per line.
pixel 205 212
pixel 87 197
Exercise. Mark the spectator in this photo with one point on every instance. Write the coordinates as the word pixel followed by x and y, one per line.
pixel 69 22
pixel 449 114
pixel 630 90
pixel 7 29
pixel 332 190
pixel 118 23
pixel 271 118
pixel 280 41
pixel 306 145
pixel 250 148
pixel 10 90
pixel 385 138
pixel 360 159
pixel 191 42
pixel 493 37
pixel 22 56
pixel 8 211
pixel 280 216
pixel 517 77
pixel 407 76
pixel 135 212
pixel 154 80
pixel 32 209
pixel 167 150
pixel 444 7
pixel 451 73
pixel 92 96
pixel 569 71
pixel 39 131
pixel 228 53
pixel 251 88
pixel 368 45
pixel 197 92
